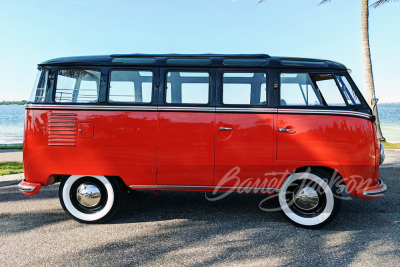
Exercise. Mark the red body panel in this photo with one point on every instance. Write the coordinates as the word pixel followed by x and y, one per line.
pixel 185 148
pixel 123 144
pixel 249 146
pixel 339 142
pixel 35 146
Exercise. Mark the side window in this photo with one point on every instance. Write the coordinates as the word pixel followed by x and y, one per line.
pixel 187 87
pixel 348 91
pixel 39 89
pixel 77 86
pixel 328 89
pixel 310 89
pixel 297 89
pixel 244 88
pixel 130 86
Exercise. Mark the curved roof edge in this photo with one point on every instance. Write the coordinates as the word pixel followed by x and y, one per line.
pixel 160 60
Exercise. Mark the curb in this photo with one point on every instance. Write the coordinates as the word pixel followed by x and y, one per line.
pixel 11 179
pixel 8 183
pixel 396 165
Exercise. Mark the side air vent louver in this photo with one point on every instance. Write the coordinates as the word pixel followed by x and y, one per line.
pixel 62 129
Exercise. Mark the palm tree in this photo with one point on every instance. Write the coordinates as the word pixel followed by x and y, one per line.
pixel 369 79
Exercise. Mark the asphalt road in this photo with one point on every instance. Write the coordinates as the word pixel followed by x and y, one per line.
pixel 183 228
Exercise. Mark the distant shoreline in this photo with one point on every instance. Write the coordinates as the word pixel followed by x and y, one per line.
pixel 22 102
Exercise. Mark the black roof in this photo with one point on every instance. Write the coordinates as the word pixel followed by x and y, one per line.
pixel 221 60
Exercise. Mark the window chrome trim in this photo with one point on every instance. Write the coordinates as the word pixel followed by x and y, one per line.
pixel 200 109
pixel 247 110
pixel 186 109
pixel 92 107
pixel 325 112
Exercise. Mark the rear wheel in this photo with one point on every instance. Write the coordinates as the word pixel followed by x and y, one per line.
pixel 89 199
pixel 310 199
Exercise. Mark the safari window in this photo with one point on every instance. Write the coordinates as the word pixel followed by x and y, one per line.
pixel 39 89
pixel 244 88
pixel 348 92
pixel 77 86
pixel 187 87
pixel 130 86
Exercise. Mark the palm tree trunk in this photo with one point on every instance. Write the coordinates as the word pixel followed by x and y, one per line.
pixel 369 79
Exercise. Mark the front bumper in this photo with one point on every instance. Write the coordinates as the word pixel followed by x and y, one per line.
pixel 29 188
pixel 372 192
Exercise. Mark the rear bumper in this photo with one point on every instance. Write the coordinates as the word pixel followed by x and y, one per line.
pixel 29 188
pixel 372 192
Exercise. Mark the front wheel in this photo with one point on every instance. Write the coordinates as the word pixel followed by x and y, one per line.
pixel 89 199
pixel 310 199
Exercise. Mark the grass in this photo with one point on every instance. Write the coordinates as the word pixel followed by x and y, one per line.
pixel 391 145
pixel 10 146
pixel 11 168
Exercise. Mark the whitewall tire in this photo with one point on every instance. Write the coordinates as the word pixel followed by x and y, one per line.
pixel 89 199
pixel 310 199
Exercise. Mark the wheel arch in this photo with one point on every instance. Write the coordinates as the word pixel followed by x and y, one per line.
pixel 122 185
pixel 331 171
pixel 56 178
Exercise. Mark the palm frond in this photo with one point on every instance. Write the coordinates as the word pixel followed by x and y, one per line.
pixel 374 5
pixel 381 2
pixel 324 1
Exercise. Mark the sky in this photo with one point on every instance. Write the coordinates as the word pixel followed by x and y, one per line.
pixel 37 30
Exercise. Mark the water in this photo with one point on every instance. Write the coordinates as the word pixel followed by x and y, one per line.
pixel 389 115
pixel 12 123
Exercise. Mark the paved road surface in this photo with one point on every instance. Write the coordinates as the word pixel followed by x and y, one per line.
pixel 183 228
pixel 10 155
pixel 392 157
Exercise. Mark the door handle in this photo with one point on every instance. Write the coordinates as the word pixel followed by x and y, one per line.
pixel 225 129
pixel 285 130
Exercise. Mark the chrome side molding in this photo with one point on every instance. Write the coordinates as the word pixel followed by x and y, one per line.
pixel 190 187
pixel 201 109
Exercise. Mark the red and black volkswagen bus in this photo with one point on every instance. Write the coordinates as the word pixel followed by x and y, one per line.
pixel 295 128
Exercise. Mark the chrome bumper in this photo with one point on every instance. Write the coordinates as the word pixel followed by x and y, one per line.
pixel 29 188
pixel 376 191
pixel 26 188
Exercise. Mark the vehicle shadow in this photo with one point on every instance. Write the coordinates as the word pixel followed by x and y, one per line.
pixel 10 193
pixel 21 222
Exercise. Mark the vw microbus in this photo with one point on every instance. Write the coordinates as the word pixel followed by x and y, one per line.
pixel 298 129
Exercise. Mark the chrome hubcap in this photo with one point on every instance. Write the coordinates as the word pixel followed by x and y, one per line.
pixel 306 198
pixel 88 195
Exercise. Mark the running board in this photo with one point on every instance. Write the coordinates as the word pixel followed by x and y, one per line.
pixel 203 188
